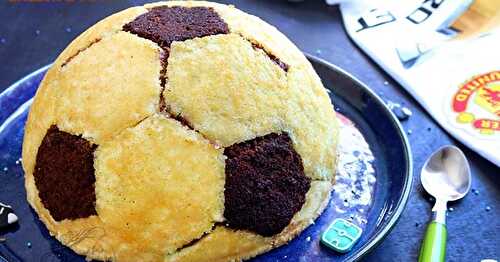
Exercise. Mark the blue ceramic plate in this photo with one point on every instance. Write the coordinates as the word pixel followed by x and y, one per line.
pixel 30 241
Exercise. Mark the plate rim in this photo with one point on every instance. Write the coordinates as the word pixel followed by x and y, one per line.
pixel 23 79
pixel 375 240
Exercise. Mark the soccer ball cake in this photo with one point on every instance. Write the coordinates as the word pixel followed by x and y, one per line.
pixel 179 131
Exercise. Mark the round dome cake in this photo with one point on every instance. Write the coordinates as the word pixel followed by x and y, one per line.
pixel 179 131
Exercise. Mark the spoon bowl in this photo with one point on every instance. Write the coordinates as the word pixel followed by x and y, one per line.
pixel 446 174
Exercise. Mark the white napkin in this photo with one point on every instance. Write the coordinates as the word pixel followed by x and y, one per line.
pixel 455 75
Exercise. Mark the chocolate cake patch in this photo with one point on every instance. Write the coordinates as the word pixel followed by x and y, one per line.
pixel 265 184
pixel 64 175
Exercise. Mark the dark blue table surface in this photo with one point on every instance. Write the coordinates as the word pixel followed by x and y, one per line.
pixel 33 34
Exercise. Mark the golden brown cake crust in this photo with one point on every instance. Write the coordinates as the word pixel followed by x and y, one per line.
pixel 230 88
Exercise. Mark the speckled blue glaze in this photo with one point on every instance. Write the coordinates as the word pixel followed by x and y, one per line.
pixel 30 240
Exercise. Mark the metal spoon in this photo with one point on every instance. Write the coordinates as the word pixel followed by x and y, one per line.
pixel 446 176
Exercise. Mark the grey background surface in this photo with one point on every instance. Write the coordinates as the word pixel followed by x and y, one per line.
pixel 33 34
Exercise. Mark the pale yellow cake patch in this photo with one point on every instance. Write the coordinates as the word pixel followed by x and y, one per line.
pixel 159 185
pixel 241 99
pixel 223 244
pixel 109 87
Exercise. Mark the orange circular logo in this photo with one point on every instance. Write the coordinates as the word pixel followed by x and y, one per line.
pixel 477 103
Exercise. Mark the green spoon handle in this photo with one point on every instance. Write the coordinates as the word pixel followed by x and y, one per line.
pixel 434 245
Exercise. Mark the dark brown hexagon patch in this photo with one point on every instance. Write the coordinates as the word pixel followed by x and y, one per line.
pixel 64 175
pixel 164 25
pixel 265 184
